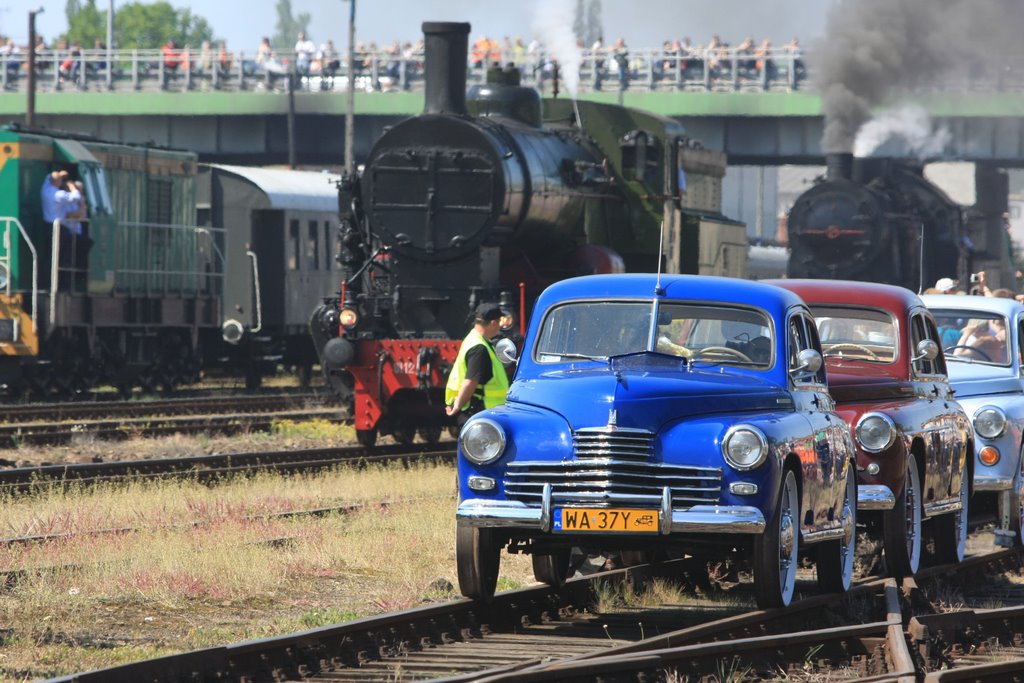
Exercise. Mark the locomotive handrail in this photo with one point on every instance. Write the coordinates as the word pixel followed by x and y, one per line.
pixel 167 273
pixel 35 266
pixel 256 287
pixel 54 265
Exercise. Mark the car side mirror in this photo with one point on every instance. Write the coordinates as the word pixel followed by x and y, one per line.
pixel 926 350
pixel 506 351
pixel 809 363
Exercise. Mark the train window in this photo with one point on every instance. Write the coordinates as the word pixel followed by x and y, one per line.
pixel 313 247
pixel 293 245
pixel 159 204
pixel 97 196
pixel 327 245
pixel 641 156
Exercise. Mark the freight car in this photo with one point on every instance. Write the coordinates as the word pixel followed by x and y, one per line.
pixel 492 201
pixel 881 220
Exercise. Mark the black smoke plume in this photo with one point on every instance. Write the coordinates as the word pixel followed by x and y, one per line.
pixel 877 51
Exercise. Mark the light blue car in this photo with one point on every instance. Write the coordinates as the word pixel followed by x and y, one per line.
pixel 982 340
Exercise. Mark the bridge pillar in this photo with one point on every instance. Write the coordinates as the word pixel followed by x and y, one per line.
pixel 987 226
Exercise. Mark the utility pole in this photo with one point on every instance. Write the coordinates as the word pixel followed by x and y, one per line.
pixel 350 113
pixel 110 45
pixel 30 106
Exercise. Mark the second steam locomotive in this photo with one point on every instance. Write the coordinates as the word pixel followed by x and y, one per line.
pixel 881 220
pixel 493 200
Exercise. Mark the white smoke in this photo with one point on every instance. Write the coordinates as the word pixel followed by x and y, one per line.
pixel 911 123
pixel 552 25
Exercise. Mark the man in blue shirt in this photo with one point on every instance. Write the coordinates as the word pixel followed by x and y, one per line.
pixel 59 198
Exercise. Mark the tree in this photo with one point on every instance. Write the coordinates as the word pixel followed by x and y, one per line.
pixel 85 24
pixel 579 28
pixel 594 28
pixel 288 28
pixel 137 25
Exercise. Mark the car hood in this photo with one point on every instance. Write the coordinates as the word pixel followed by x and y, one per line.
pixel 847 387
pixel 647 396
pixel 977 379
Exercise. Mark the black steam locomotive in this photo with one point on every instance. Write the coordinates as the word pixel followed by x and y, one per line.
pixel 881 220
pixel 492 202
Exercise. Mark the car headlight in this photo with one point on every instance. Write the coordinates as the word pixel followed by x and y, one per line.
pixel 990 422
pixel 482 441
pixel 875 432
pixel 744 447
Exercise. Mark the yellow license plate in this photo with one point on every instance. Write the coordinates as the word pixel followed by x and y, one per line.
pixel 589 519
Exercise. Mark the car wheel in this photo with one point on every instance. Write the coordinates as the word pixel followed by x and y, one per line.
pixel 551 568
pixel 901 526
pixel 1017 503
pixel 775 551
pixel 951 528
pixel 477 556
pixel 835 558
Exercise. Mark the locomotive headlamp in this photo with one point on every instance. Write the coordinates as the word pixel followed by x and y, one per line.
pixel 507 320
pixel 482 441
pixel 875 432
pixel 990 422
pixel 744 447
pixel 348 318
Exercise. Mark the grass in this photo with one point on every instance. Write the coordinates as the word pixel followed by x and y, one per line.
pixel 173 587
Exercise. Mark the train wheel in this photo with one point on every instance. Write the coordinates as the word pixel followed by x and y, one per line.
pixel 478 557
pixel 951 528
pixel 430 435
pixel 775 551
pixel 367 438
pixel 835 558
pixel 253 380
pixel 404 435
pixel 901 526
pixel 551 568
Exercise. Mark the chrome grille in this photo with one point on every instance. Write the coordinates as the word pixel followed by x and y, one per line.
pixel 612 467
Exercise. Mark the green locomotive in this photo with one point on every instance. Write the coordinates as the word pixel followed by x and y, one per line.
pixel 131 308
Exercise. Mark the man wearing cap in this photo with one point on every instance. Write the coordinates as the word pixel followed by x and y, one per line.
pixel 947 285
pixel 477 380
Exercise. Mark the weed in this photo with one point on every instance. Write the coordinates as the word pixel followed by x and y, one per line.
pixel 323 617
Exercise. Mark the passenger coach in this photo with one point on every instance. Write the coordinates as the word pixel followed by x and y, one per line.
pixel 690 413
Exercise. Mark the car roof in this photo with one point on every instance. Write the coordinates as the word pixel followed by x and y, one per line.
pixel 676 287
pixel 889 297
pixel 988 304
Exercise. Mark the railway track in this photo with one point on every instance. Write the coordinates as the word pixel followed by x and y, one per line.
pixel 63 423
pixel 881 630
pixel 210 467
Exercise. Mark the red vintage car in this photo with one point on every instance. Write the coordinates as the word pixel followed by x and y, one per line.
pixel 915 446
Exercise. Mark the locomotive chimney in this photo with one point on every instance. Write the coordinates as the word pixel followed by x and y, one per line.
pixel 839 165
pixel 446 44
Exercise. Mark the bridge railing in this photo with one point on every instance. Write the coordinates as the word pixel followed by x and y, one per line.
pixel 644 69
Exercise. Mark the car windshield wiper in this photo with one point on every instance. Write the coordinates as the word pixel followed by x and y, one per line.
pixel 580 356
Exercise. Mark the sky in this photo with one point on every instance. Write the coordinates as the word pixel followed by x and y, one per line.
pixel 643 23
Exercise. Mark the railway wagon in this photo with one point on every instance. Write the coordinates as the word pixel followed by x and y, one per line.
pixel 278 235
pixel 126 306
pixel 493 200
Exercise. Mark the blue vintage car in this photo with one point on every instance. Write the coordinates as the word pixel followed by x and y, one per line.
pixel 687 414
pixel 982 338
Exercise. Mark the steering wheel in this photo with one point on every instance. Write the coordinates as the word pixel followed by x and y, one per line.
pixel 858 347
pixel 723 350
pixel 984 356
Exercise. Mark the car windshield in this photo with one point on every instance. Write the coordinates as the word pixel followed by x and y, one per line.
pixel 698 332
pixel 863 334
pixel 973 336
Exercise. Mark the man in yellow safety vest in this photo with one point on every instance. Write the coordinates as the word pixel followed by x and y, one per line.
pixel 478 379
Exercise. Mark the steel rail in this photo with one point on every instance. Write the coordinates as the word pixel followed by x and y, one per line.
pixel 57 412
pixel 211 467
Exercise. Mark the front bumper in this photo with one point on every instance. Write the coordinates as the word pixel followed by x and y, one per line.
pixel 983 482
pixel 728 519
pixel 875 497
